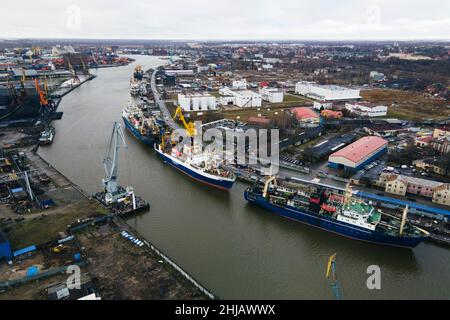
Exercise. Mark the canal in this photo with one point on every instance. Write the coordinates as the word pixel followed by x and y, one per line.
pixel 235 249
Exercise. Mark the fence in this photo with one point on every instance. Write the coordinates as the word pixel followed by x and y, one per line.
pixel 7 284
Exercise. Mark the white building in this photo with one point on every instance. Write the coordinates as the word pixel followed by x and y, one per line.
pixel 241 98
pixel 239 84
pixel 326 92
pixel 318 105
pixel 177 72
pixel 366 109
pixel 197 102
pixel 273 95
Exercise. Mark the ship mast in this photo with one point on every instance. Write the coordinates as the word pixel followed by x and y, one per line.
pixel 402 224
pixel 348 194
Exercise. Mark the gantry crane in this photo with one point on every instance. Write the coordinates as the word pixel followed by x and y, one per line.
pixel 114 193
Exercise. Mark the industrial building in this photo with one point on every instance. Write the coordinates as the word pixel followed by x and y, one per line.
pixel 5 248
pixel 358 154
pixel 243 98
pixel 325 148
pixel 272 95
pixel 239 84
pixel 366 109
pixel 177 72
pixel 197 102
pixel 326 92
pixel 306 115
pixel 323 105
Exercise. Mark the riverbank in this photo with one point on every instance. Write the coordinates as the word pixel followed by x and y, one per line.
pixel 123 269
pixel 36 224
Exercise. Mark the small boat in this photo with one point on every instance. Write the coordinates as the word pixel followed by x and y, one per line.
pixel 47 136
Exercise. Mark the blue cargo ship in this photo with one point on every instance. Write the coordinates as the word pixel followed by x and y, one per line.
pixel 341 214
pixel 143 128
pixel 196 168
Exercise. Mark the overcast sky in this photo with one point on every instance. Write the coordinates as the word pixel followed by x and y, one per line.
pixel 227 19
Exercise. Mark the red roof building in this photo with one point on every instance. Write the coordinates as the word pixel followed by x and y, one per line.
pixel 305 114
pixel 358 154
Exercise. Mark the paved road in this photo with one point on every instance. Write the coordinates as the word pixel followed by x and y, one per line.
pixel 161 104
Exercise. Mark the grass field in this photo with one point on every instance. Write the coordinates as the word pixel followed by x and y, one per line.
pixel 293 98
pixel 408 105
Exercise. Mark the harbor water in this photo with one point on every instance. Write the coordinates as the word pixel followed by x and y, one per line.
pixel 234 249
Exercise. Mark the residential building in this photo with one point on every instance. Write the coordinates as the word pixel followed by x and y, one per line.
pixel 401 185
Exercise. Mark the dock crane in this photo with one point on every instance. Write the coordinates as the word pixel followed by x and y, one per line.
pixel 332 273
pixel 114 193
pixel 271 179
pixel 190 127
pixel 42 98
pixel 72 70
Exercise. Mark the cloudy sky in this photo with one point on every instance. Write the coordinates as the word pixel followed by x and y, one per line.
pixel 227 19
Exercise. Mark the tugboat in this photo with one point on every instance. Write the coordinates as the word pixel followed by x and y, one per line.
pixel 47 136
pixel 331 211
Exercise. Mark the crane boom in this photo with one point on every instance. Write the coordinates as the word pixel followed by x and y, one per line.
pixel 190 127
pixel 110 162
pixel 42 99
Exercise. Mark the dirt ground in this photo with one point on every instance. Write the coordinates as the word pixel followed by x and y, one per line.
pixel 408 105
pixel 48 224
pixel 127 271
pixel 33 290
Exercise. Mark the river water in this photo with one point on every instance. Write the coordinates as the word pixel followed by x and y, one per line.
pixel 234 249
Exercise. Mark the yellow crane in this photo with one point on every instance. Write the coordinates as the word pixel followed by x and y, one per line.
pixel 267 184
pixel 190 127
pixel 332 273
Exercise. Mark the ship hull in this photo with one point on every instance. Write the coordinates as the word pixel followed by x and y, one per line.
pixel 223 184
pixel 334 226
pixel 147 140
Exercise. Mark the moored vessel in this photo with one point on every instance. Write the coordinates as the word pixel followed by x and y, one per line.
pixel 337 212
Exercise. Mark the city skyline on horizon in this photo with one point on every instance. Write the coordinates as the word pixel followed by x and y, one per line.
pixel 287 20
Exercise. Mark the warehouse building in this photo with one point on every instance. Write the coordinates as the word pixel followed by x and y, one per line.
pixel 239 84
pixel 5 248
pixel 306 115
pixel 242 98
pixel 358 154
pixel 326 92
pixel 272 95
pixel 366 109
pixel 197 102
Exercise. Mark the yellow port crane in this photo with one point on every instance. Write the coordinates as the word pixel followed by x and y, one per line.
pixel 190 127
pixel 332 273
